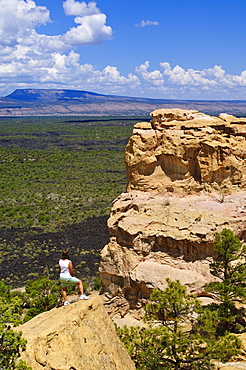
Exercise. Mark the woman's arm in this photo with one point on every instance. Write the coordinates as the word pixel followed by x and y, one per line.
pixel 70 266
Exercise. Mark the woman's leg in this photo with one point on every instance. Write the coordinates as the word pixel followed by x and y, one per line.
pixel 64 293
pixel 61 295
pixel 80 286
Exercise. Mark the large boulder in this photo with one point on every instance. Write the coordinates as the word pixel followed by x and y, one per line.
pixel 186 176
pixel 76 337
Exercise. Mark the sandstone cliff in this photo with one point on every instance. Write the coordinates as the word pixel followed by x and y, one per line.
pixel 76 337
pixel 186 180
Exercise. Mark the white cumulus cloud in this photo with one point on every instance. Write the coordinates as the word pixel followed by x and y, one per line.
pixel 211 77
pixel 17 16
pixel 73 7
pixel 179 83
pixel 91 22
pixel 19 20
pixel 154 78
pixel 91 30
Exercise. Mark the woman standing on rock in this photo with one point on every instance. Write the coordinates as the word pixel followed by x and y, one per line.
pixel 67 277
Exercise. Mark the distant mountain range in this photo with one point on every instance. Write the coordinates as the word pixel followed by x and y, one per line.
pixel 55 102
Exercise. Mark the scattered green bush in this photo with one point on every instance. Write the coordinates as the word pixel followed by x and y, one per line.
pixel 46 182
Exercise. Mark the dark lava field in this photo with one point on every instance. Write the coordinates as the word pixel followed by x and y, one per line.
pixel 58 179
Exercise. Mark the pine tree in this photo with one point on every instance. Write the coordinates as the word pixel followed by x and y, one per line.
pixel 230 289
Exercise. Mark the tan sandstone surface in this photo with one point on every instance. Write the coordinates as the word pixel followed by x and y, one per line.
pixel 75 337
pixel 186 176
pixel 233 366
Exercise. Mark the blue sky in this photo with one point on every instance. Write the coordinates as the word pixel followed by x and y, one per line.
pixel 170 49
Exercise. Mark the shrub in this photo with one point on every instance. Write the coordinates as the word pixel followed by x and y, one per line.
pixel 43 295
pixel 11 343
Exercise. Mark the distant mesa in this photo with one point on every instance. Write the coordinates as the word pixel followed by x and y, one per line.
pixel 64 102
pixel 50 94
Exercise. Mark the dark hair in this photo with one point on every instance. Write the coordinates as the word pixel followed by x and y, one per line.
pixel 65 254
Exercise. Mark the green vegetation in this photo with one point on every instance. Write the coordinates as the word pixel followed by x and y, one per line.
pixel 55 173
pixel 58 178
pixel 11 343
pixel 57 187
pixel 41 295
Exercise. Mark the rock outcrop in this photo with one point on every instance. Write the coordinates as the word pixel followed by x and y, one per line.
pixel 187 150
pixel 186 180
pixel 76 337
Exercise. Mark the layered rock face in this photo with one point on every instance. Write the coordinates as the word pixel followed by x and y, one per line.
pixel 76 337
pixel 186 180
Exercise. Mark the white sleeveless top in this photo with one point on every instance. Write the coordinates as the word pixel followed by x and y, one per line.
pixel 65 273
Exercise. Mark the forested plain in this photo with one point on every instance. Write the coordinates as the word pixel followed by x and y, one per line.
pixel 58 178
